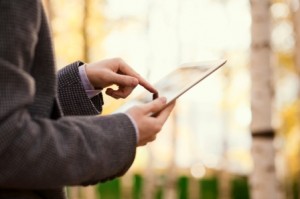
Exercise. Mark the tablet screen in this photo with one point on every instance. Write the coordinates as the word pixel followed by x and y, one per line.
pixel 178 81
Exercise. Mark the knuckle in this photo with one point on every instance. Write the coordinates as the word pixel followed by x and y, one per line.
pixel 118 59
pixel 153 138
pixel 137 109
pixel 127 93
pixel 115 96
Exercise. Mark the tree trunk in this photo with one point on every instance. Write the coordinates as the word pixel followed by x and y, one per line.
pixel 149 175
pixel 295 13
pixel 264 184
pixel 170 186
pixel 85 37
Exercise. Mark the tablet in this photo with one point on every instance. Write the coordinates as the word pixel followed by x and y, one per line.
pixel 179 81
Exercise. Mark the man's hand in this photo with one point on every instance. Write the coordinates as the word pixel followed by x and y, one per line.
pixel 116 72
pixel 147 124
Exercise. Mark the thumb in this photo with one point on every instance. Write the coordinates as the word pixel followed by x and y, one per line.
pixel 124 80
pixel 156 105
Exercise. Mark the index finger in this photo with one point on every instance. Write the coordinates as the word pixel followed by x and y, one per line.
pixel 127 70
pixel 147 85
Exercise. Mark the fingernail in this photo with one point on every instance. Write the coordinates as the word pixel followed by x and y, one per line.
pixel 155 96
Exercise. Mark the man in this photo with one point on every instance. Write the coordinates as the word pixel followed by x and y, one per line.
pixel 50 135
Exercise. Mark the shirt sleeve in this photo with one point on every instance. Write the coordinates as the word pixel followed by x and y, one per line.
pixel 88 87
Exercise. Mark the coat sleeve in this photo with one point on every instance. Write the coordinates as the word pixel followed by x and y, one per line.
pixel 41 153
pixel 72 96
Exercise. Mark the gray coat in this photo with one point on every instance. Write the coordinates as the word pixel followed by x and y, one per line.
pixel 45 141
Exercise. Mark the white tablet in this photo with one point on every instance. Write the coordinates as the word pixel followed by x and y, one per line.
pixel 177 82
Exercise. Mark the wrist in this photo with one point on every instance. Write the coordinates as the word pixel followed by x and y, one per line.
pixel 135 127
pixel 84 78
pixel 87 85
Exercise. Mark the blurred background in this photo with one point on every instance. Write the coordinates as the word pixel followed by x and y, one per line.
pixel 207 148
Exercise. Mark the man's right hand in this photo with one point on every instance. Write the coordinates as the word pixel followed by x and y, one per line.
pixel 147 124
